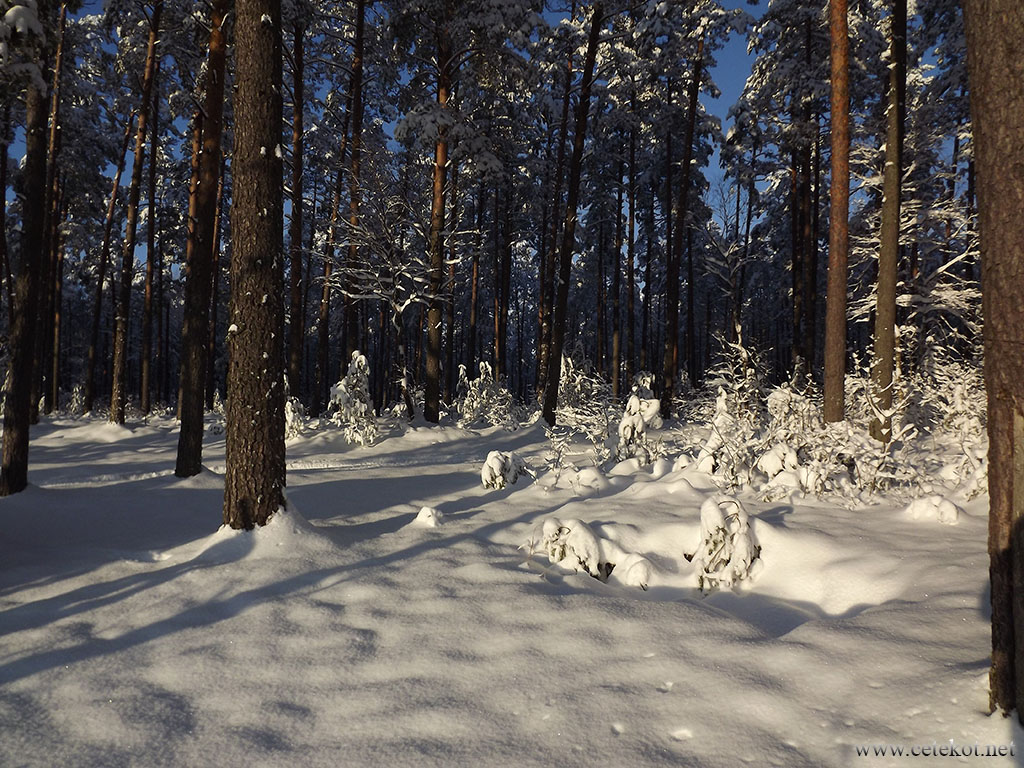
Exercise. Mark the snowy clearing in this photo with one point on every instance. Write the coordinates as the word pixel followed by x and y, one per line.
pixel 397 615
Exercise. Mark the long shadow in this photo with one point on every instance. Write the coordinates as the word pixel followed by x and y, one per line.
pixel 200 615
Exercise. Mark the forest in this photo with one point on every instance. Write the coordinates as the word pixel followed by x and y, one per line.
pixel 255 240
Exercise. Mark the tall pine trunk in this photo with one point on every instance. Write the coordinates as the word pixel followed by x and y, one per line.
pixel 884 362
pixel 295 327
pixel 351 305
pixel 147 309
pixel 255 457
pixel 995 37
pixel 199 276
pixel 839 215
pixel 119 395
pixel 432 397
pixel 18 390
pixel 671 358
pixel 554 372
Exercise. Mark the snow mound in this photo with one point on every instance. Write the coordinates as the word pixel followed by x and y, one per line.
pixel 934 507
pixel 576 546
pixel 428 517
pixel 286 535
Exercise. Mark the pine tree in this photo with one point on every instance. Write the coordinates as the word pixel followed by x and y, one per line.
pixel 255 458
pixel 995 37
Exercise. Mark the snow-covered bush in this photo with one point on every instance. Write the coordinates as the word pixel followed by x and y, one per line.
pixel 484 400
pixel 727 550
pixel 573 544
pixel 642 412
pixel 294 417
pixel 585 405
pixel 730 449
pixel 351 406
pixel 501 469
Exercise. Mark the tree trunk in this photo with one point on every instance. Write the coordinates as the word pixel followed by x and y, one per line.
pixel 449 366
pixel 295 328
pixel 617 286
pixel 18 389
pixel 356 85
pixel 631 267
pixel 888 252
pixel 561 303
pixel 995 37
pixel 147 310
pixel 58 285
pixel 5 264
pixel 44 326
pixel 547 271
pixel 671 361
pixel 432 405
pixel 255 457
pixel 211 343
pixel 839 215
pixel 119 394
pixel 199 279
pixel 324 316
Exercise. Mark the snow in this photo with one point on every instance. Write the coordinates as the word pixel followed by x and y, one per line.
pixel 394 613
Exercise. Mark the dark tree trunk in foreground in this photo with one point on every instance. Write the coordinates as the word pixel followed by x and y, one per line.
pixel 255 475
pixel 554 372
pixel 17 404
pixel 839 215
pixel 995 39
pixel 671 359
pixel 199 269
pixel 119 395
pixel 888 253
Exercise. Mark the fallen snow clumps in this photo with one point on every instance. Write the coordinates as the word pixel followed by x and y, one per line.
pixel 934 508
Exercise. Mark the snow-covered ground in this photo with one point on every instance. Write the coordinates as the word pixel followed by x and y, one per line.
pixel 357 629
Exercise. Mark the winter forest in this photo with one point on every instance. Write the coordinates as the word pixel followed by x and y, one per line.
pixel 552 408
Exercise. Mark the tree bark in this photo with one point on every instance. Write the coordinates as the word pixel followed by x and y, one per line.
pixel 431 408
pixel 671 360
pixel 211 343
pixel 119 394
pixel 295 328
pixel 888 253
pixel 255 456
pixel 631 266
pixel 356 85
pixel 147 310
pixel 18 386
pixel 561 303
pixel 617 286
pixel 839 215
pixel 995 38
pixel 199 270
pixel 5 264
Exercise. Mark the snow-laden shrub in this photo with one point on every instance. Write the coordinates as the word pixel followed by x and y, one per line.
pixel 727 550
pixel 294 418
pixel 351 406
pixel 643 411
pixel 730 449
pixel 585 405
pixel 574 545
pixel 486 401
pixel 501 469
pixel 75 405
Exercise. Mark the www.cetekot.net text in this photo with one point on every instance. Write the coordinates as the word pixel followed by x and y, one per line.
pixel 950 749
